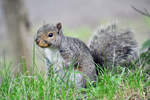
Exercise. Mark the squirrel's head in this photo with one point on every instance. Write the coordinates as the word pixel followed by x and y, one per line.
pixel 49 35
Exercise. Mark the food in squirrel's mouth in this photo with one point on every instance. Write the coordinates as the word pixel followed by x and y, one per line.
pixel 41 43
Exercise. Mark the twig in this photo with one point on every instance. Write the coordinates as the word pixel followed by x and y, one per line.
pixel 145 13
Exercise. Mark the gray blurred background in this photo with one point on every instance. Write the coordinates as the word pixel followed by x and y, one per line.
pixel 81 13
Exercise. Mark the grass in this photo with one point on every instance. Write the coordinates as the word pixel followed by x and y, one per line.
pixel 110 86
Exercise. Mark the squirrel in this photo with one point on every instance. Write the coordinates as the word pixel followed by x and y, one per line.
pixel 106 45
pixel 62 51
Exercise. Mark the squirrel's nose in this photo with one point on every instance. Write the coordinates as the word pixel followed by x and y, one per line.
pixel 37 41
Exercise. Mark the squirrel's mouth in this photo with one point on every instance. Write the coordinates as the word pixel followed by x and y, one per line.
pixel 42 44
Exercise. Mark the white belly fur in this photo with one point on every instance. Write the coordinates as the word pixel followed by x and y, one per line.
pixel 53 55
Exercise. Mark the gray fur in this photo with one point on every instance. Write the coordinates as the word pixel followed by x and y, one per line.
pixel 111 46
pixel 78 51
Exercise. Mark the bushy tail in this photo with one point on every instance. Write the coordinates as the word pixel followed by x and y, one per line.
pixel 111 46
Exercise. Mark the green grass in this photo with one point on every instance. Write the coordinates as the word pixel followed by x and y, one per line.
pixel 110 86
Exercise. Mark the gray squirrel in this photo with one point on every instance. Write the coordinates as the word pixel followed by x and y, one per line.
pixel 106 45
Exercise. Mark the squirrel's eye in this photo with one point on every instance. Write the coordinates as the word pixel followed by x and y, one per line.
pixel 50 35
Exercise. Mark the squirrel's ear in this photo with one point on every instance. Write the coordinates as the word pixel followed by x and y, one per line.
pixel 59 26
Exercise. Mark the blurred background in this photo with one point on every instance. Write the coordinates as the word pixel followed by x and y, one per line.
pixel 20 19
